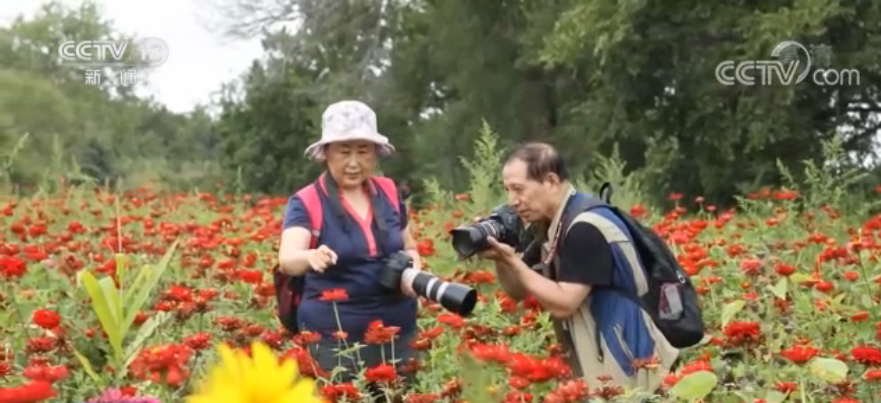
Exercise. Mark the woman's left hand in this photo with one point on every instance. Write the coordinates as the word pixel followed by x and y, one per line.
pixel 406 287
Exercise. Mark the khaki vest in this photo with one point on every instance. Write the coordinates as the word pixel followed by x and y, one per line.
pixel 578 334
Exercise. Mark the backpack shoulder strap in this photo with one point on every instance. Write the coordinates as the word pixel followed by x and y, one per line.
pixel 312 202
pixel 585 203
pixel 387 186
pixel 582 203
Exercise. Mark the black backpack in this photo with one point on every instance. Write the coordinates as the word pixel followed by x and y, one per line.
pixel 671 300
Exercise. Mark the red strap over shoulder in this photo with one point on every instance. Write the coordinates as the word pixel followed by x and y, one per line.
pixel 390 189
pixel 312 202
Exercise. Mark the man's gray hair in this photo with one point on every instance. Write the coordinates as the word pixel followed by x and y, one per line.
pixel 541 159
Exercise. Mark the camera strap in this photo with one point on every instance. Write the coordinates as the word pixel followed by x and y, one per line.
pixel 332 194
pixel 381 231
pixel 374 192
pixel 558 234
pixel 553 248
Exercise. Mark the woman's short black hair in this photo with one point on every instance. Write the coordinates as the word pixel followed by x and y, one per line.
pixel 541 159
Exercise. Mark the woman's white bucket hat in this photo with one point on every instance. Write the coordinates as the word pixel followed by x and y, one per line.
pixel 348 121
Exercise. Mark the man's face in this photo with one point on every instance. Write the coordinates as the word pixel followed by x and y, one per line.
pixel 530 198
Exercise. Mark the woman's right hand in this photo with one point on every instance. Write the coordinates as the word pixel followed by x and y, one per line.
pixel 321 258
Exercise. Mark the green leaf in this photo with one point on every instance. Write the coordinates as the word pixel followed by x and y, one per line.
pixel 695 386
pixel 800 278
pixel 829 369
pixel 144 332
pixel 779 289
pixel 108 288
pixel 119 259
pixel 732 398
pixel 101 305
pixel 478 382
pixel 143 292
pixel 731 309
pixel 129 291
pixel 774 397
pixel 866 301
pixel 87 366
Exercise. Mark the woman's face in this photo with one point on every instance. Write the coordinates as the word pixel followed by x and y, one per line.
pixel 350 162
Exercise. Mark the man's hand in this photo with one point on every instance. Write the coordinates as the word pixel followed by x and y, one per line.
pixel 321 258
pixel 499 252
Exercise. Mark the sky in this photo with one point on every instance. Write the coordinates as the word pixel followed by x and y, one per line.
pixel 199 60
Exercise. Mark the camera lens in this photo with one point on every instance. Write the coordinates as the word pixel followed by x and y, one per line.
pixel 454 297
pixel 468 240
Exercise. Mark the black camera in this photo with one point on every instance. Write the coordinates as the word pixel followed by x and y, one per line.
pixel 454 297
pixel 503 224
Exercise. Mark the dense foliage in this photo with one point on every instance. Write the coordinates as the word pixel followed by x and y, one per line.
pixel 586 75
pixel 132 291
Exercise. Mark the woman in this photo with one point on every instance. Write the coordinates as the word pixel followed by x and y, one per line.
pixel 351 245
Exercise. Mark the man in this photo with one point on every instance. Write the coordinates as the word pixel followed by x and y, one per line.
pixel 581 282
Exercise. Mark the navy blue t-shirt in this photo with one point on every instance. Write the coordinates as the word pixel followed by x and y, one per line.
pixel 360 259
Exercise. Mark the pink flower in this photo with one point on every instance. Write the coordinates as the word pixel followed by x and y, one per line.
pixel 114 395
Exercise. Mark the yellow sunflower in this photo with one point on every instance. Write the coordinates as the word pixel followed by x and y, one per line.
pixel 238 378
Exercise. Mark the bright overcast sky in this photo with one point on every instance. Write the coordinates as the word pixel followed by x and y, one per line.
pixel 199 60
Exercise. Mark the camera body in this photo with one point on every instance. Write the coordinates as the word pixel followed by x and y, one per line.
pixel 454 297
pixel 392 273
pixel 503 224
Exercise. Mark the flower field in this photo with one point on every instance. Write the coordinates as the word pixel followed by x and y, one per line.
pixel 133 291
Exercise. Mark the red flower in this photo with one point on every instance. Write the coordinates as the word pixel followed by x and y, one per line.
pixel 377 333
pixel 739 333
pixel 45 318
pixel 307 337
pixel 35 391
pixel 45 373
pixel 637 211
pixel 198 341
pixel 872 375
pixel 5 368
pixel 751 267
pixel 334 294
pixel 341 391
pixel 517 382
pixel 382 373
pixel 41 344
pixel 424 398
pixel 784 269
pixel 491 352
pixel 868 356
pixel 425 248
pixel 12 267
pixel 799 354
pixel 567 391
pixel 452 320
pixel 166 364
pixel 250 276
